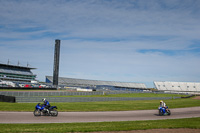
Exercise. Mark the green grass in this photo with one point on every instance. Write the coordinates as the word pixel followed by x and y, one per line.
pixel 105 106
pixel 193 123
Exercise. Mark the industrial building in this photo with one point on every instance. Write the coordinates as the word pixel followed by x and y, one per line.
pixel 16 73
pixel 72 82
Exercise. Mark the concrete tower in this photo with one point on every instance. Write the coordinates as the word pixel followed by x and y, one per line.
pixel 56 63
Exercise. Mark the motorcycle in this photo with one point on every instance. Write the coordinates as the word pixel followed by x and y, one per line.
pixel 164 111
pixel 40 109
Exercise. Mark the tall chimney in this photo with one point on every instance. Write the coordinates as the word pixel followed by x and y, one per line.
pixel 56 63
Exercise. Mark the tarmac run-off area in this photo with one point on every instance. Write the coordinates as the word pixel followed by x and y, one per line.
pixel 70 117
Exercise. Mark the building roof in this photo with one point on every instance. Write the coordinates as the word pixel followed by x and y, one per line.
pixel 15 66
pixel 12 69
pixel 73 81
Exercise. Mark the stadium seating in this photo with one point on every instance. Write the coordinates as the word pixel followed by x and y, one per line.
pixel 177 86
pixel 84 82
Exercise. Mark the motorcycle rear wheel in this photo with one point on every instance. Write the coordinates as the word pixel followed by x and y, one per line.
pixel 37 113
pixel 54 112
pixel 169 112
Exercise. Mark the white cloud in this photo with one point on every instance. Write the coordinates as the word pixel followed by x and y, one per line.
pixel 102 39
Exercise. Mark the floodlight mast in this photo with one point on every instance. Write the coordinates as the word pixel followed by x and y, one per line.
pixel 56 63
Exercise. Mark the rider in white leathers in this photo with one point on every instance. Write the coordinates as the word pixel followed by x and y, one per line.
pixel 162 104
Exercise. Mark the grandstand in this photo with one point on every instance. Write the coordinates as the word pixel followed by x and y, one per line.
pixel 72 82
pixel 178 86
pixel 16 73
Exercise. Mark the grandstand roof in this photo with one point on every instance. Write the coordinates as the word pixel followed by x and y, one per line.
pixel 15 66
pixel 12 69
pixel 73 81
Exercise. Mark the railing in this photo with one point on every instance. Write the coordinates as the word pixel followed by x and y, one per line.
pixel 54 96
pixel 62 93
pixel 87 99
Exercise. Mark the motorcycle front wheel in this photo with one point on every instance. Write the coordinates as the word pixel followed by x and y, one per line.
pixel 160 112
pixel 37 113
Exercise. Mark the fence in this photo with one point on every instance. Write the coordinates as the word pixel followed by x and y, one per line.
pixel 87 99
pixel 60 93
pixel 54 96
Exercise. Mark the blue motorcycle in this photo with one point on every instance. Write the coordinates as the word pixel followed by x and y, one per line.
pixel 40 109
pixel 164 111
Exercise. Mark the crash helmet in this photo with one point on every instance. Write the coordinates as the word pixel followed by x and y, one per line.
pixel 44 99
pixel 161 101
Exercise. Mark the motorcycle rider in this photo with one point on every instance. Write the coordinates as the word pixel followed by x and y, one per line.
pixel 163 105
pixel 46 104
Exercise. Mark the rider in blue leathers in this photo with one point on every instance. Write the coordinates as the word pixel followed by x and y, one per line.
pixel 46 104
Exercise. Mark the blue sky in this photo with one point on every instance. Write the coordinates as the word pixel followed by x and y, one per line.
pixel 113 40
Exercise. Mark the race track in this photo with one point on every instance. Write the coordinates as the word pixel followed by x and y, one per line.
pixel 70 117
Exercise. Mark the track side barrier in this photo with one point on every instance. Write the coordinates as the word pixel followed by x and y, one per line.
pixel 10 99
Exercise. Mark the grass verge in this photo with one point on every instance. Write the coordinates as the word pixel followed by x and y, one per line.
pixel 104 106
pixel 193 123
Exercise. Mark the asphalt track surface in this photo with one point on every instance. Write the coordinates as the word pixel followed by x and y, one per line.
pixel 74 117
